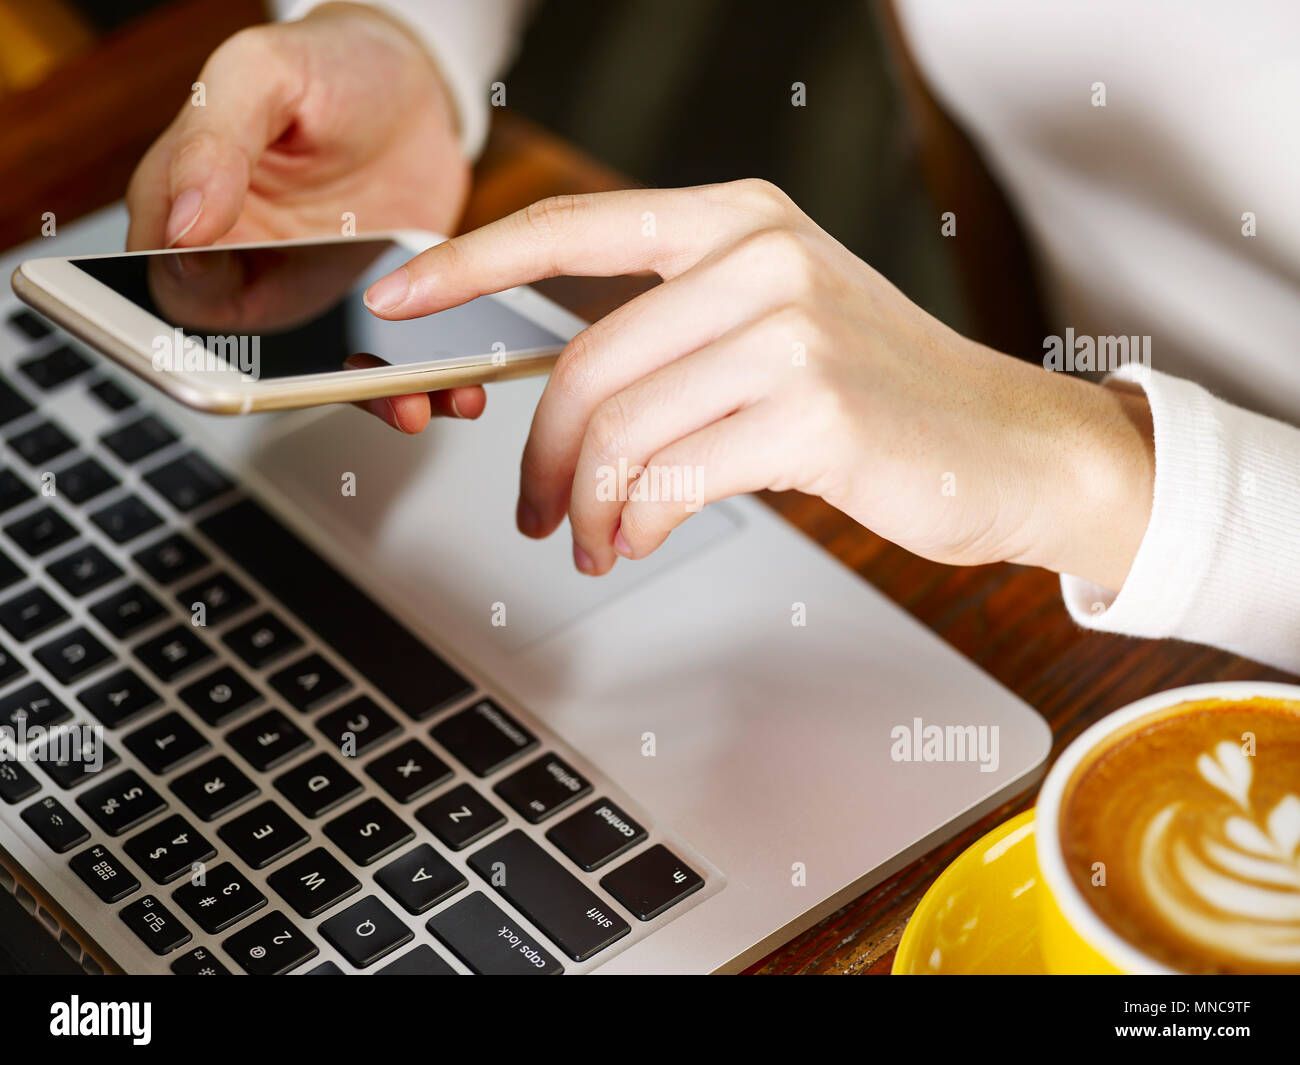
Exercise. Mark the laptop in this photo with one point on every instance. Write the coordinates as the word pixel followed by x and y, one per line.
pixel 406 739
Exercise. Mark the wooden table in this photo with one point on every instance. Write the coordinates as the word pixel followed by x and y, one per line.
pixel 69 146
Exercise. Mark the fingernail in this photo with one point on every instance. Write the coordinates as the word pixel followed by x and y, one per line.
pixel 583 560
pixel 384 410
pixel 388 292
pixel 621 545
pixel 185 212
pixel 451 401
pixel 527 519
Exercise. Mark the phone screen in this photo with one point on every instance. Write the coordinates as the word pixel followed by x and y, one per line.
pixel 277 311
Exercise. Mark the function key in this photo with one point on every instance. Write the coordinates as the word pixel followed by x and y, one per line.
pixel 317 785
pixel 12 404
pixel 141 438
pixel 117 698
pixel 267 740
pixel 13 490
pixel 214 788
pixel 30 613
pixel 220 596
pixel 112 395
pixel 40 531
pixel 100 871
pixel 225 898
pixel 262 639
pixel 156 925
pixel 484 737
pixel 166 742
pixel 84 570
pixel 72 655
pixel 27 323
pixel 543 787
pixel 314 882
pixel 651 882
pixel 68 761
pixel 408 771
pixel 188 482
pixel 368 831
pixel 119 804
pixel 270 946
pixel 16 783
pixel 53 369
pixel 357 726
pixel 199 962
pixel 41 443
pixel 170 559
pixel 262 835
pixel 596 834
pixel 33 704
pixel 127 611
pixel 84 480
pixel 219 695
pixel 173 652
pixel 310 682
pixel 366 931
pixel 59 830
pixel 168 849
pixel 126 519
pixel 460 817
pixel 489 942
pixel 422 961
pixel 420 879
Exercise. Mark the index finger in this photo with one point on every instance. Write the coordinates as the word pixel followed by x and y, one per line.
pixel 601 234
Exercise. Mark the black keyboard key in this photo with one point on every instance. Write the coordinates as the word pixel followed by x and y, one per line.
pixel 317 785
pixel 220 596
pixel 10 667
pixel 13 490
pixel 41 531
pixel 484 737
pixel 118 698
pixel 107 877
pixel 199 962
pixel 12 405
pixel 112 395
pixel 72 757
pixel 170 559
pixel 420 879
pixel 262 639
pixel 325 968
pixel 59 830
pixel 489 942
pixel 173 652
pixel 188 482
pixel 550 896
pixel 223 899
pixel 72 655
pixel 128 611
pixel 422 961
pixel 41 443
pixel 214 788
pixel 119 804
pixel 262 835
pixel 408 771
pixel 33 704
pixel 16 783
pixel 169 849
pixel 460 817
pixel 166 742
pixel 313 882
pixel 157 926
pixel 652 882
pixel 126 519
pixel 86 569
pixel 270 946
pixel 27 323
pixel 267 740
pixel 371 640
pixel 220 695
pixel 141 438
pixel 55 367
pixel 366 931
pixel 596 834
pixel 357 726
pixel 309 683
pixel 30 613
pixel 543 787
pixel 368 831
pixel 84 480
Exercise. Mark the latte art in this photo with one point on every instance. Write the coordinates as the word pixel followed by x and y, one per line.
pixel 1184 835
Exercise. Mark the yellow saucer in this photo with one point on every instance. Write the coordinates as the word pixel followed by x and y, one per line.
pixel 981 915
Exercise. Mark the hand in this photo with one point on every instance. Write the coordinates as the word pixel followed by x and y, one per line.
pixel 771 357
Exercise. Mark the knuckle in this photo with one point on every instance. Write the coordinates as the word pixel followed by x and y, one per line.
pixel 761 196
pixel 574 373
pixel 784 254
pixel 607 432
pixel 546 217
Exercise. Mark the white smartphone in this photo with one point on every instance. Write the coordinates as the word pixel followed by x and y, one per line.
pixel 254 327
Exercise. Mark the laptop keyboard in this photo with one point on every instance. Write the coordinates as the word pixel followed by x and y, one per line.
pixel 291 780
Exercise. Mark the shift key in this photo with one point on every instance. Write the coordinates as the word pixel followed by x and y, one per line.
pixel 580 922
